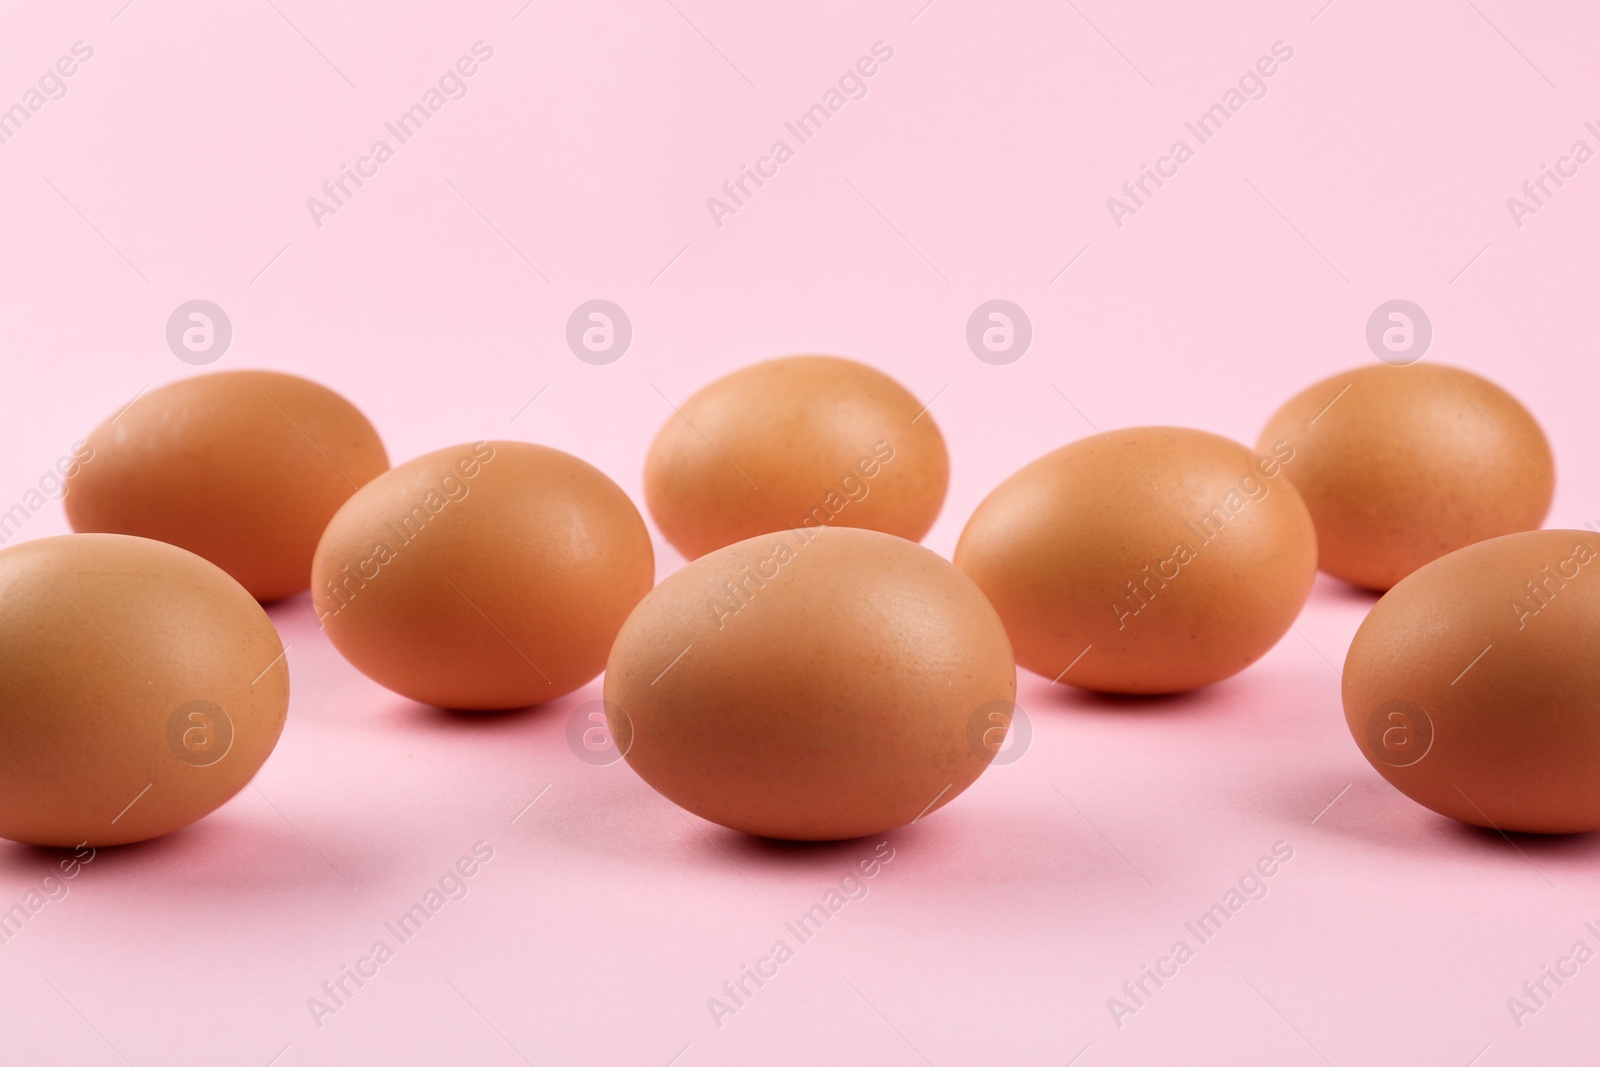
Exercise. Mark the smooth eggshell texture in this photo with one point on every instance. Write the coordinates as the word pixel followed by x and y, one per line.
pixel 814 685
pixel 243 467
pixel 140 688
pixel 483 576
pixel 801 441
pixel 1473 686
pixel 1400 465
pixel 1149 560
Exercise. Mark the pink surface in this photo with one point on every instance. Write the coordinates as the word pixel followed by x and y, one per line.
pixel 977 166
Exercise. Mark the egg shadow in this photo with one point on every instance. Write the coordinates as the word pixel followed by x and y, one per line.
pixel 1339 591
pixel 1369 811
pixel 1207 699
pixel 42 859
pixel 38 861
pixel 294 614
pixel 432 718
pixel 215 852
pixel 1582 845
pixel 790 855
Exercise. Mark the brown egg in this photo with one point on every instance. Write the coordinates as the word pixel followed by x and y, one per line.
pixel 483 576
pixel 1401 464
pixel 1150 560
pixel 811 685
pixel 804 441
pixel 1474 688
pixel 244 468
pixel 140 688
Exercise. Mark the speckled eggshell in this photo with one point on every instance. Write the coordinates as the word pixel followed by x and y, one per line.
pixel 1150 560
pixel 813 685
pixel 140 688
pixel 1401 464
pixel 482 576
pixel 1473 685
pixel 803 441
pixel 242 467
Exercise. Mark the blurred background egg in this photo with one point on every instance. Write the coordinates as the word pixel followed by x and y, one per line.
pixel 1401 464
pixel 140 688
pixel 1149 560
pixel 243 467
pixel 483 576
pixel 811 685
pixel 801 441
pixel 1474 688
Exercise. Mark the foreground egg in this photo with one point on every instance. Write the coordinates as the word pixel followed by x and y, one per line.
pixel 140 688
pixel 1401 464
pixel 484 576
pixel 803 441
pixel 811 685
pixel 1151 560
pixel 244 468
pixel 1474 688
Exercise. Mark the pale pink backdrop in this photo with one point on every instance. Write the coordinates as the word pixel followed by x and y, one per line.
pixel 977 166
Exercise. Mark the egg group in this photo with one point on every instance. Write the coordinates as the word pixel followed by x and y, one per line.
pixel 812 673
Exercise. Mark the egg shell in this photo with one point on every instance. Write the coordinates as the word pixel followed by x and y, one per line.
pixel 140 688
pixel 812 685
pixel 242 467
pixel 1402 464
pixel 482 576
pixel 1150 560
pixel 1474 688
pixel 800 441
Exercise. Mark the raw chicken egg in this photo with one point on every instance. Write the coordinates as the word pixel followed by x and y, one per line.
pixel 483 576
pixel 1150 560
pixel 1402 464
pixel 1474 688
pixel 140 688
pixel 805 441
pixel 244 468
pixel 812 684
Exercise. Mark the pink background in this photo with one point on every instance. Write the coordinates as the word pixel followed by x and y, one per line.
pixel 977 167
